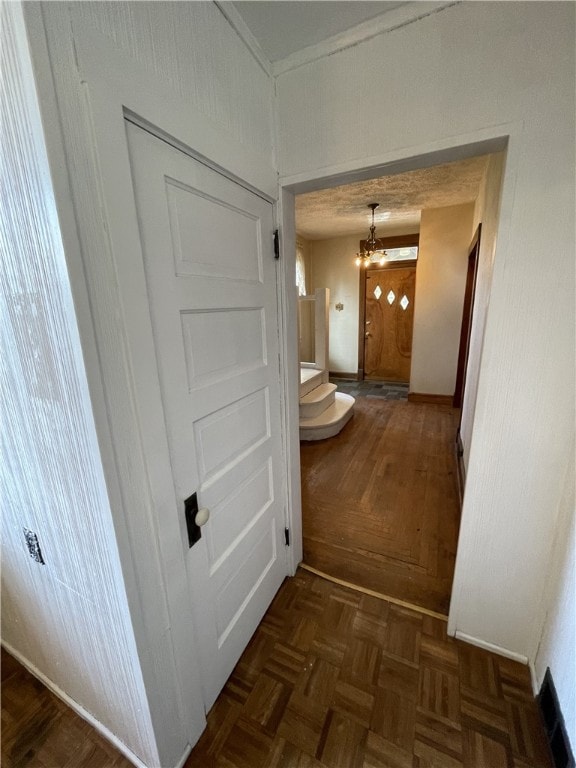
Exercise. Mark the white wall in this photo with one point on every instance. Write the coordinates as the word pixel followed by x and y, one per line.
pixel 487 213
pixel 194 51
pixel 445 235
pixel 183 65
pixel 332 266
pixel 557 648
pixel 67 619
pixel 306 308
pixel 469 72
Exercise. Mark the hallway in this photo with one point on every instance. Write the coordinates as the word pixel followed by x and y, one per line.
pixel 380 501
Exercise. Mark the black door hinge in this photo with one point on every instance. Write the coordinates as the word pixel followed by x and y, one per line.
pixel 287 536
pixel 276 244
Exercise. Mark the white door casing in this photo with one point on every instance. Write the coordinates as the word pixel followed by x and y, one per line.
pixel 210 274
pixel 88 87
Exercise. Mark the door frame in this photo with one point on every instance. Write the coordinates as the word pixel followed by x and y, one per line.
pixel 505 137
pixel 398 241
pixel 467 318
pixel 88 89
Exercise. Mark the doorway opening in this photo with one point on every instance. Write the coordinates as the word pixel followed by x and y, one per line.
pixel 381 500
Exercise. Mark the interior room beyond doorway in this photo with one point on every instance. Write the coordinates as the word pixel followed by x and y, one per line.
pixel 380 500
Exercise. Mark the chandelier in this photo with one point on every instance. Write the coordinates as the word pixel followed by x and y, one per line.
pixel 373 251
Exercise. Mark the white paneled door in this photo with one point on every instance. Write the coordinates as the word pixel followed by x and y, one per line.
pixel 210 274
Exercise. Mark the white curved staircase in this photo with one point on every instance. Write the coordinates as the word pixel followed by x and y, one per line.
pixel 323 410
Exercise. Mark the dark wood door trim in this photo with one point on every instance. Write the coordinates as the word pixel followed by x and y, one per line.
pixel 361 320
pixel 467 314
pixel 398 241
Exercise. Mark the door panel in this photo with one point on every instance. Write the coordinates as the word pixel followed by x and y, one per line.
pixel 197 218
pixel 212 293
pixel 389 316
pixel 242 344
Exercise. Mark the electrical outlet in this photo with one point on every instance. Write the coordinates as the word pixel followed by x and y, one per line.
pixel 33 546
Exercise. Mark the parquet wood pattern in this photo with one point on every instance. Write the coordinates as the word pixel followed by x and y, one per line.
pixel 331 678
pixel 40 731
pixel 380 501
pixel 336 679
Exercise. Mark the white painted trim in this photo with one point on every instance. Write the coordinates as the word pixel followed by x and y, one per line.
pixel 93 116
pixel 504 136
pixel 65 209
pixel 386 22
pixel 519 657
pixel 236 21
pixel 79 709
pixel 146 97
pixel 534 678
pixel 189 150
pixel 458 147
pixel 185 755
pixel 459 596
pixel 95 86
pixel 321 327
pixel 290 375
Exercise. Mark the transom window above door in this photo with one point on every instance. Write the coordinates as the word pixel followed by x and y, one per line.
pixel 399 251
pixel 409 253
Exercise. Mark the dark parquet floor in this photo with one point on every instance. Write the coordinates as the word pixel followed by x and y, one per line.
pixel 40 731
pixel 337 679
pixel 332 678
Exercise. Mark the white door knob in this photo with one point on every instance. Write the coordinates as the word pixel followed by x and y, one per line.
pixel 202 516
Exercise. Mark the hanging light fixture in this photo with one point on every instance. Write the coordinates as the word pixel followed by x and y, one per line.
pixel 373 250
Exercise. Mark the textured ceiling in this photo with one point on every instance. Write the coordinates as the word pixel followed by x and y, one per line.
pixel 343 210
pixel 281 28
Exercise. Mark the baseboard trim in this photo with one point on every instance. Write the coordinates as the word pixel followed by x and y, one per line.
pixel 343 375
pixel 79 709
pixel 372 593
pixel 519 657
pixel 423 397
pixel 533 678
pixel 184 758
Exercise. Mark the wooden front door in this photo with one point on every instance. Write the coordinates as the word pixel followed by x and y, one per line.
pixel 389 317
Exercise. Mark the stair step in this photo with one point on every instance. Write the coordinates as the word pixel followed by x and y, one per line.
pixel 310 378
pixel 330 421
pixel 317 400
